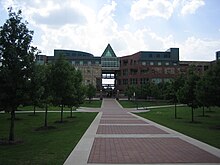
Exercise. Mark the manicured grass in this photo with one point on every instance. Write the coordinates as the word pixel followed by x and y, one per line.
pixel 92 104
pixel 46 146
pixel 50 108
pixel 134 104
pixel 206 129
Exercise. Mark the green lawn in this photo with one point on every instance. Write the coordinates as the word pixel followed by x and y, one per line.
pixel 206 129
pixel 50 108
pixel 45 146
pixel 134 104
pixel 92 104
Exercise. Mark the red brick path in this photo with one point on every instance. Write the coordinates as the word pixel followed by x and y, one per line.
pixel 147 150
pixel 140 150
pixel 119 129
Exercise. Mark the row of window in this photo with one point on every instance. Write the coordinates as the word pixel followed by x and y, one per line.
pixel 156 70
pixel 110 64
pixel 159 63
pixel 159 55
pixel 151 63
pixel 81 62
pixel 135 81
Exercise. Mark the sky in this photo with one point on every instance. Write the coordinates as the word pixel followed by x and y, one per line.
pixel 129 26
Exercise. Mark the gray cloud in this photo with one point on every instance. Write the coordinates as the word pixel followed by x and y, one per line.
pixel 61 17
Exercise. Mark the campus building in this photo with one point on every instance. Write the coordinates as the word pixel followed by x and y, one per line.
pixel 111 74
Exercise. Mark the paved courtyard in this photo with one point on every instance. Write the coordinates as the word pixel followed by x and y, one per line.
pixel 119 137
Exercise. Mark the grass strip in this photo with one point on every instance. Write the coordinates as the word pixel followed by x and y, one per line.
pixel 49 146
pixel 206 129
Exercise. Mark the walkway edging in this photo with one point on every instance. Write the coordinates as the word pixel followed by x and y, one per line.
pixel 80 154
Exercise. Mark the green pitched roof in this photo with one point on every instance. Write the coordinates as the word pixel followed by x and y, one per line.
pixel 108 52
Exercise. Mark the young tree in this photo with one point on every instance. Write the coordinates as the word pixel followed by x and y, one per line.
pixel 172 91
pixel 80 92
pixel 61 82
pixel 46 97
pixel 37 85
pixel 130 90
pixel 213 77
pixel 17 62
pixel 90 91
pixel 187 94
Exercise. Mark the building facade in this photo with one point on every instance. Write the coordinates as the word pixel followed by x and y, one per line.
pixel 144 66
pixel 136 69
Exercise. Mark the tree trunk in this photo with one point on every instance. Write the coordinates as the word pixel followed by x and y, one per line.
pixel 192 114
pixel 71 112
pixel 203 111
pixel 34 109
pixel 11 132
pixel 45 119
pixel 61 116
pixel 175 110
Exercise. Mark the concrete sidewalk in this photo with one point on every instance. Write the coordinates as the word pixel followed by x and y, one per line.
pixel 119 137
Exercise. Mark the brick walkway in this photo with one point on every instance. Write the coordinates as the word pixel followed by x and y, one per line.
pixel 140 150
pixel 124 138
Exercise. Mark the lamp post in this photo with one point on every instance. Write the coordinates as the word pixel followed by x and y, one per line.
pixel 135 98
pixel 117 95
pixel 100 94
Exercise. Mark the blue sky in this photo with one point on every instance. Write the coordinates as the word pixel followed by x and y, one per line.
pixel 128 25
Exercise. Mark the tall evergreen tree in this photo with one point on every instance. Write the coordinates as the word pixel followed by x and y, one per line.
pixel 17 63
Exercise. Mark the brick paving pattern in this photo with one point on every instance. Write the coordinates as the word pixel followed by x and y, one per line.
pixel 119 129
pixel 122 122
pixel 147 150
pixel 139 150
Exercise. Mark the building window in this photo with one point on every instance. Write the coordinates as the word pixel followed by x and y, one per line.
pixel 150 55
pixel 174 63
pixel 80 62
pixel 125 72
pixel 125 81
pixel 158 56
pixel 89 62
pixel 73 62
pixel 96 62
pixel 166 56
pixel 159 63
pixel 169 71
pixel 144 71
pixel 151 63
pixel 167 63
pixel 157 80
pixel 143 63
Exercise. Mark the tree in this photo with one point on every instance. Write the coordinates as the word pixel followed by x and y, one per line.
pixel 90 91
pixel 47 90
pixel 80 89
pixel 37 85
pixel 61 82
pixel 213 79
pixel 172 91
pixel 130 90
pixel 187 94
pixel 17 62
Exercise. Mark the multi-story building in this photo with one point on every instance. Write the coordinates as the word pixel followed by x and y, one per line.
pixel 145 66
pixel 135 69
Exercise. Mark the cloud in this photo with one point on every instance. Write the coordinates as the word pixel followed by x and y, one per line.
pixel 196 48
pixel 89 30
pixel 190 6
pixel 144 8
pixel 61 17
